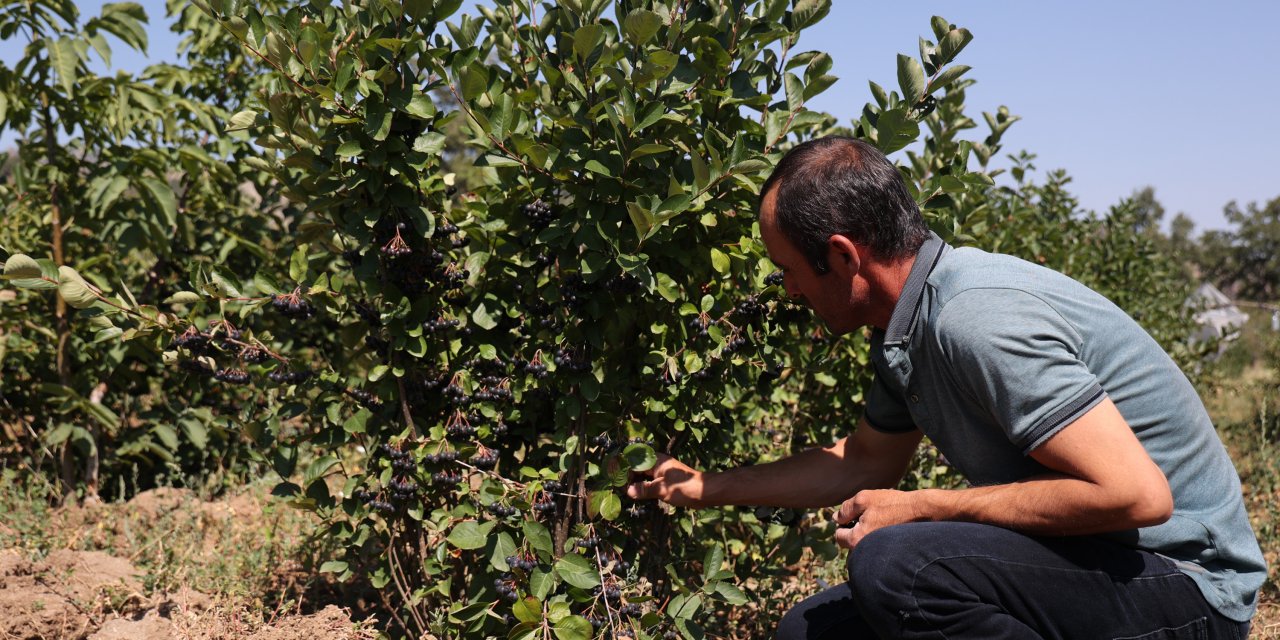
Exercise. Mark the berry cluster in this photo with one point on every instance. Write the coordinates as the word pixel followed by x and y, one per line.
pixel 456 395
pixel 365 398
pixel 232 376
pixel 292 305
pixel 540 214
pixel 485 458
pixel 506 587
pixel 623 283
pixel 535 368
pixel 574 291
pixel 439 324
pixel 544 504
pixel 196 367
pixel 572 359
pixel 368 314
pixel 610 591
pixel 402 490
pixel 254 355
pixel 503 510
pixel 401 461
pixel 699 324
pixel 749 308
pixel 396 247
pixel 774 279
pixel 735 344
pixel 588 542
pixel 280 376
pixel 192 340
pixel 603 441
pixel 445 456
pixel 460 427
pixel 631 610
pixel 524 562
pixel 447 478
pixel 371 499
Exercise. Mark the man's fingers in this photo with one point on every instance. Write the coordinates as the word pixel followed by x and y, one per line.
pixel 852 509
pixel 643 490
pixel 848 537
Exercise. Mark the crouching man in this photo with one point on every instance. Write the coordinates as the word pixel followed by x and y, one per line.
pixel 1103 504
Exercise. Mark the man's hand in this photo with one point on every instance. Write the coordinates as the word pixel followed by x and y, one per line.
pixel 671 481
pixel 873 509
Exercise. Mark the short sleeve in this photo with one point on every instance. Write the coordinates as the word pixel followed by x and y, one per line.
pixel 886 411
pixel 1017 357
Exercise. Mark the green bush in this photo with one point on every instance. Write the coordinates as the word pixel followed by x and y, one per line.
pixel 457 375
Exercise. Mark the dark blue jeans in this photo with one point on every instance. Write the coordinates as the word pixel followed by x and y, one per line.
pixel 959 580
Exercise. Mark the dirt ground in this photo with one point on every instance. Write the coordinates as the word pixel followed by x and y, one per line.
pixel 79 593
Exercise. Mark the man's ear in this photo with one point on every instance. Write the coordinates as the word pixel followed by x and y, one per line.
pixel 843 256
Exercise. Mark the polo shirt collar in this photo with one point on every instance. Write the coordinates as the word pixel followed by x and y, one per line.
pixel 904 312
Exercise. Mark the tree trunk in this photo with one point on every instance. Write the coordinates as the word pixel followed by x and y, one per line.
pixel 63 322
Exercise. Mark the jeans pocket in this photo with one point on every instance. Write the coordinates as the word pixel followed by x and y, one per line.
pixel 1197 629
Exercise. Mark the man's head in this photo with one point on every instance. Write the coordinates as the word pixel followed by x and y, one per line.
pixel 842 186
pixel 834 214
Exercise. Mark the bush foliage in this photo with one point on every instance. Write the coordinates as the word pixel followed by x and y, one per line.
pixel 452 277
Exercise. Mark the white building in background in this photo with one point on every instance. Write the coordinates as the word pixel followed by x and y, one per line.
pixel 1217 315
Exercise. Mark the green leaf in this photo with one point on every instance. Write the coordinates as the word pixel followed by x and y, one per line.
pixel 577 571
pixel 731 594
pixel 527 609
pixel 808 12
pixel 74 289
pixel 21 266
pixel 910 79
pixel 610 505
pixel 242 120
pixel 541 582
pixel 537 536
pixel 949 75
pixel 64 60
pixel 298 263
pixel 595 166
pixel 334 566
pixel 639 456
pixel 350 149
pixel 719 261
pixel 183 297
pixel 641 25
pixel 940 26
pixel 317 469
pixel 954 42
pixel 483 318
pixel 469 534
pixel 431 143
pixel 586 38
pixel 648 149
pixel 162 196
pixel 895 130
pixel 573 628
pixel 711 562
pixel 795 91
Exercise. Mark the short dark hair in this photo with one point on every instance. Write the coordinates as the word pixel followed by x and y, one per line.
pixel 843 186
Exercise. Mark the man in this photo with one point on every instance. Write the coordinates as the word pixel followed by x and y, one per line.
pixel 1103 504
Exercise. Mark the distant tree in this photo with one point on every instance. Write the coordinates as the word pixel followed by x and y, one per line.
pixel 1253 266
pixel 1181 229
pixel 1147 211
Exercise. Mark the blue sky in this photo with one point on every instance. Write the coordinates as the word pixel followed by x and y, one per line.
pixel 1177 94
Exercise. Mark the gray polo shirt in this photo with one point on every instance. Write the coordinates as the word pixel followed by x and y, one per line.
pixel 990 356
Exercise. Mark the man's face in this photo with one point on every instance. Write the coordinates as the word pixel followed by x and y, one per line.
pixel 833 295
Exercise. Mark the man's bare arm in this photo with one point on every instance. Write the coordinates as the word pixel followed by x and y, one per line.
pixel 818 477
pixel 1102 480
